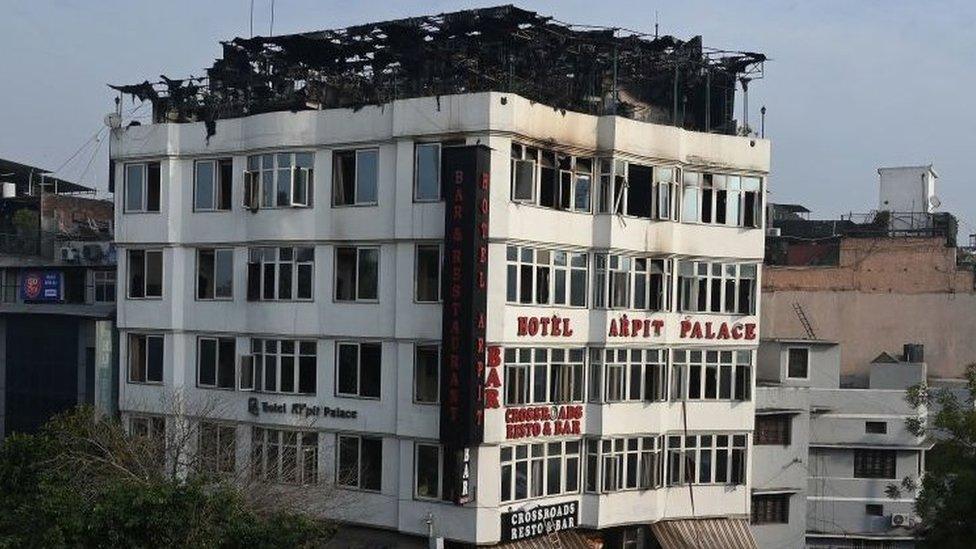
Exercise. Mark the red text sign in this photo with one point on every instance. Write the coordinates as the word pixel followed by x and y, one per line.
pixel 542 421
pixel 554 325
pixel 694 329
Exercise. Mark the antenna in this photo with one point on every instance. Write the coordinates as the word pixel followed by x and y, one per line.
pixel 271 27
pixel 252 18
pixel 655 25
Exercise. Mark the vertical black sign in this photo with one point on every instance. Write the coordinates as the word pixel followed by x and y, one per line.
pixel 465 179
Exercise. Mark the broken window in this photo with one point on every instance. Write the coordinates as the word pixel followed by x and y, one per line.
pixel 632 282
pixel 212 183
pixel 564 181
pixel 142 187
pixel 354 177
pixel 427 172
pixel 721 199
pixel 640 181
pixel 278 180
pixel 666 184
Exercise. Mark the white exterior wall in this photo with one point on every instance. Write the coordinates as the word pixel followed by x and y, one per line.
pixel 907 189
pixel 396 225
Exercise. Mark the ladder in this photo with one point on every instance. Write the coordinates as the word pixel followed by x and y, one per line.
pixel 804 321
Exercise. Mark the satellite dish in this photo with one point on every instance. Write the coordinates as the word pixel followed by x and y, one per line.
pixel 934 201
pixel 113 120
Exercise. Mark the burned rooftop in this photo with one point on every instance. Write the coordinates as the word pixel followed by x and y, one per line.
pixel 587 69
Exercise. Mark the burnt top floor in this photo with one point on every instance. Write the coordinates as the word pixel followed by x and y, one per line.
pixel 593 70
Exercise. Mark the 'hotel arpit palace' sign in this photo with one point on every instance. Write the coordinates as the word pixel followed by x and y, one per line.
pixel 636 327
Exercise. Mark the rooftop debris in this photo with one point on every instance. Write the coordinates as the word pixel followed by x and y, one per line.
pixel 586 69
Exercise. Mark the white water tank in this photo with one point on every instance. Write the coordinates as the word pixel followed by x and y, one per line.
pixel 9 190
pixel 908 189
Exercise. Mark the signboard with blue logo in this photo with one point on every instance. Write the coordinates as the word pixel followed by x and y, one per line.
pixel 41 286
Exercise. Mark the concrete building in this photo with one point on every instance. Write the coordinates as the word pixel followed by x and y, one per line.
pixel 57 298
pixel 825 453
pixel 474 316
pixel 872 282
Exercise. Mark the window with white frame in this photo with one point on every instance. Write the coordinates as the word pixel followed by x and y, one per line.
pixel 426 373
pixel 151 427
pixel 539 375
pixel 142 187
pixel 279 180
pixel 721 199
pixel 355 177
pixel 217 448
pixel 616 464
pixel 145 273
pixel 215 273
pixel 706 459
pixel 618 375
pixel 546 277
pixel 284 456
pixel 103 283
pixel 623 282
pixel 145 358
pixel 551 179
pixel 282 366
pixel 798 362
pixel 216 362
pixel 539 470
pixel 358 371
pixel 280 274
pixel 212 185
pixel 715 287
pixel 10 287
pixel 357 273
pixel 428 466
pixel 359 462
pixel 637 190
pixel 427 172
pixel 698 374
pixel 428 273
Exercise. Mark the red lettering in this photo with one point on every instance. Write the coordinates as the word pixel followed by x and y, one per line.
pixel 523 326
pixel 750 330
pixel 723 331
pixel 658 325
pixel 494 355
pixel 613 328
pixel 544 321
pixel 533 326
pixel 556 332
pixel 737 331
pixel 491 398
pixel 493 379
pixel 696 330
pixel 567 331
pixel 635 327
pixel 685 328
pixel 709 334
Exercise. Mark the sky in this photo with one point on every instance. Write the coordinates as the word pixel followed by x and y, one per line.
pixel 851 86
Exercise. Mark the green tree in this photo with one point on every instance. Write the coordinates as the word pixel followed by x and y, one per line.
pixel 84 482
pixel 946 503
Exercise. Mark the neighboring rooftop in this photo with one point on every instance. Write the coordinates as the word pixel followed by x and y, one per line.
pixel 30 180
pixel 588 69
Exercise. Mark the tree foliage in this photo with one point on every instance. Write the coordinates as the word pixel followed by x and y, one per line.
pixel 84 482
pixel 947 501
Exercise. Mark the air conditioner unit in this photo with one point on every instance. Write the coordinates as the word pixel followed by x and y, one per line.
pixel 69 253
pixel 899 520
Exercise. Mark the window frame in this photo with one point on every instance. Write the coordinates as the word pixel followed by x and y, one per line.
pixel 145 270
pixel 213 275
pixel 604 276
pixel 789 357
pixel 356 283
pixel 522 153
pixel 104 279
pixel 259 355
pixel 129 366
pixel 777 430
pixel 217 365
pixel 692 274
pixel 219 187
pixel 416 258
pixel 690 363
pixel 416 171
pixel 440 471
pixel 770 509
pixel 531 361
pixel 603 363
pixel 868 464
pixel 437 381
pixel 875 427
pixel 359 462
pixel 336 165
pixel 516 259
pixel 538 463
pixel 144 206
pixel 259 454
pixel 257 259
pixel 215 464
pixel 359 370
pixel 255 193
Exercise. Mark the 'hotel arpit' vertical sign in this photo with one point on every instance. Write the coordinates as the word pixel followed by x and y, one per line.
pixel 465 177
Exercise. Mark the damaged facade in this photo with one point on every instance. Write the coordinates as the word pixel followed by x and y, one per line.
pixel 591 70
pixel 473 314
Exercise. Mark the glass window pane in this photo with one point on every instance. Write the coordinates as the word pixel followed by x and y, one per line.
pixel 428 171
pixel 366 176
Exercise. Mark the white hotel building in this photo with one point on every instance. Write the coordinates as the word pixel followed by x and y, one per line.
pixel 281 286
